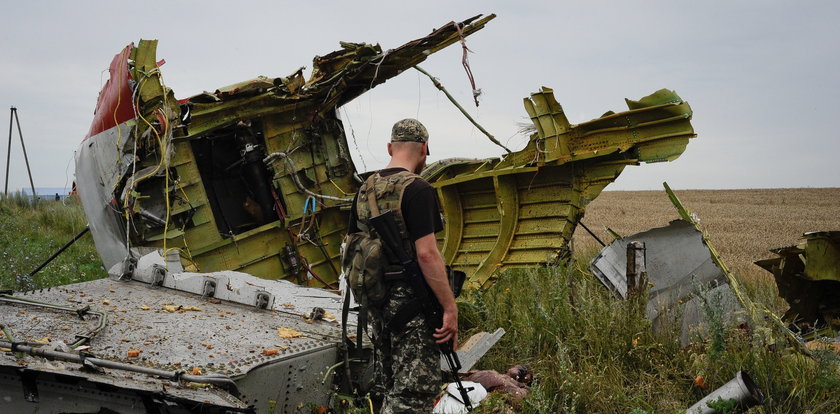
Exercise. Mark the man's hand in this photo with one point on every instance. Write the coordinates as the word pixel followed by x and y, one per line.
pixel 449 330
pixel 431 263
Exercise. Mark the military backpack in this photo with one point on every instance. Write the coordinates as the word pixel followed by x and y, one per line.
pixel 364 261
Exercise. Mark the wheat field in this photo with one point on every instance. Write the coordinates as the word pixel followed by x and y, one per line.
pixel 743 224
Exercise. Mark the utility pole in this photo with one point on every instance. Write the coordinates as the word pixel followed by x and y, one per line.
pixel 13 116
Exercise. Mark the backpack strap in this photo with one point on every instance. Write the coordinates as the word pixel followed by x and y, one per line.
pixel 371 195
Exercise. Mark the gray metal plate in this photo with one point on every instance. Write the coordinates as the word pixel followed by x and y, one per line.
pixel 224 337
pixel 679 267
pixel 100 163
pixel 60 388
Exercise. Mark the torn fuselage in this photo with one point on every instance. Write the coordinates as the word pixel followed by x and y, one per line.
pixel 255 177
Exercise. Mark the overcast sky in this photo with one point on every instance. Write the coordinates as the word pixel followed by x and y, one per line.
pixel 761 76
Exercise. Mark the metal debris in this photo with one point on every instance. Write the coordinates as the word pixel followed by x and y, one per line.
pixel 681 275
pixel 808 277
pixel 737 396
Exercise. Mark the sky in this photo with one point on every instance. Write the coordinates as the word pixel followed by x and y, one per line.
pixel 761 76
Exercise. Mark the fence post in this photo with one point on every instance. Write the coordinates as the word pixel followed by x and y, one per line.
pixel 636 268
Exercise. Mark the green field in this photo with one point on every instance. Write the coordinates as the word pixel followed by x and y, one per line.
pixel 31 232
pixel 589 352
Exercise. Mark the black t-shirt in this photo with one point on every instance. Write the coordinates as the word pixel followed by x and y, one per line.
pixel 419 208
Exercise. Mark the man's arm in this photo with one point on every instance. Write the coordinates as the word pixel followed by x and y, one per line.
pixel 434 270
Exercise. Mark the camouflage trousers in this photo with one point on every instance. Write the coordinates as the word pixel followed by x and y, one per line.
pixel 407 362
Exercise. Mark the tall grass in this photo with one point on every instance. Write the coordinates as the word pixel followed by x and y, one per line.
pixel 31 231
pixel 591 353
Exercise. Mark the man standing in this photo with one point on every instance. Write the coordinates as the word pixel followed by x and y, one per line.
pixel 407 357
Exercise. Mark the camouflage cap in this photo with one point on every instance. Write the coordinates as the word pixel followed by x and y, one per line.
pixel 409 129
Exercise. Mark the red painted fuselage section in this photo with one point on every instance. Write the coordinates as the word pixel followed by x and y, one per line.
pixel 114 104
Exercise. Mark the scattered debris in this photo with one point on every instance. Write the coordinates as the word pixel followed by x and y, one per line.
pixel 288 333
pixel 179 308
pixel 808 277
pixel 317 314
pixel 740 393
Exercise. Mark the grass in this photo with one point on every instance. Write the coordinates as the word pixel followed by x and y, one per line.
pixel 589 352
pixel 32 231
pixel 593 354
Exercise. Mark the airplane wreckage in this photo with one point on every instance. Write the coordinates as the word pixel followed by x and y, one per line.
pixel 808 277
pixel 220 219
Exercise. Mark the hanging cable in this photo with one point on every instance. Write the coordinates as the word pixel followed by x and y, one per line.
pixel 466 63
pixel 436 82
pixel 355 142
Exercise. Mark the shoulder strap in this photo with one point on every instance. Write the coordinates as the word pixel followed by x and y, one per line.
pixel 411 177
pixel 371 194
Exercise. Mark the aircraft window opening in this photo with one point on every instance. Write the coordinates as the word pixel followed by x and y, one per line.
pixel 237 182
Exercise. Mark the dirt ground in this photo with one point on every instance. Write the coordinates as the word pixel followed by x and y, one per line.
pixel 743 224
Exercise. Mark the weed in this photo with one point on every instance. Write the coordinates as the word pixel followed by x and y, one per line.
pixel 715 320
pixel 722 406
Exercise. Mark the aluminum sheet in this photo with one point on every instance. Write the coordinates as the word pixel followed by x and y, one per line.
pixel 679 268
pixel 222 337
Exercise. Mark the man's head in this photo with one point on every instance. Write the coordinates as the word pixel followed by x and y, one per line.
pixel 410 142
pixel 409 130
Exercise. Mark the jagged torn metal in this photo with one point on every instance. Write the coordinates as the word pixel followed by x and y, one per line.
pixel 808 277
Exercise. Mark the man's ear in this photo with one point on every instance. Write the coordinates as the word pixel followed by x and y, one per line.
pixel 390 150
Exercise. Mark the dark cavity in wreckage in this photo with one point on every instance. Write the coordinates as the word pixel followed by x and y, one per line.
pixel 220 219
